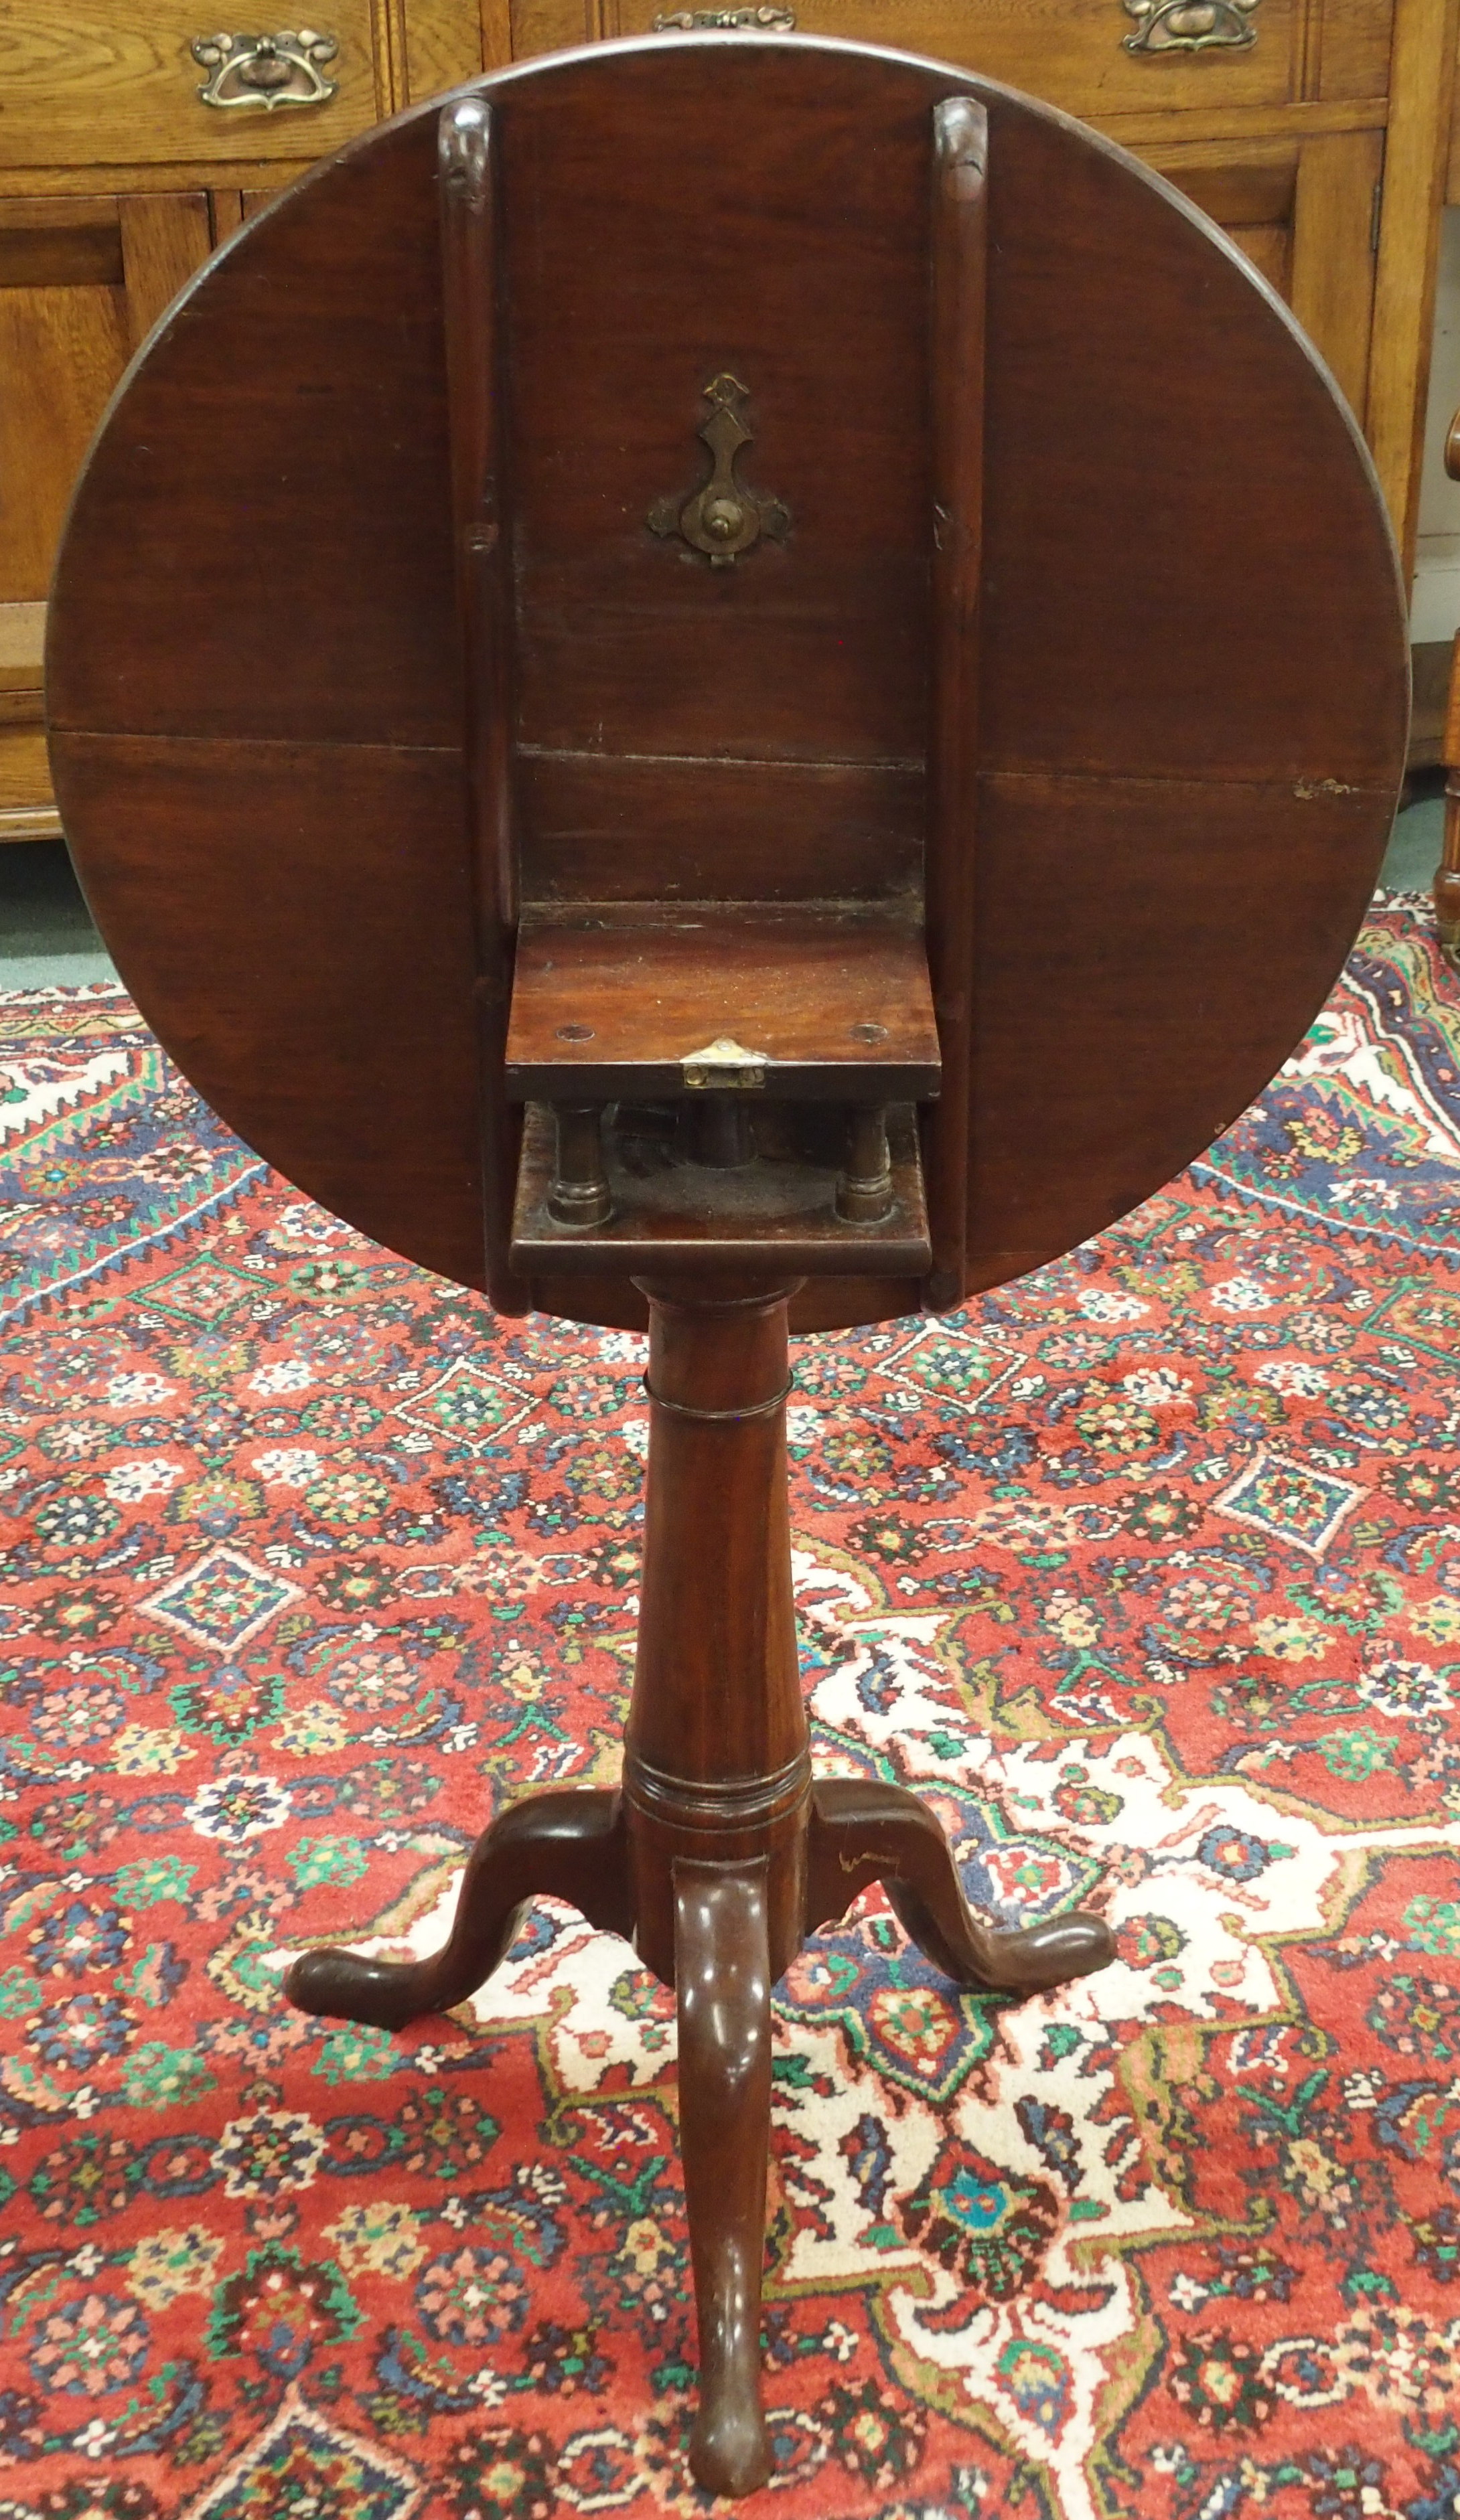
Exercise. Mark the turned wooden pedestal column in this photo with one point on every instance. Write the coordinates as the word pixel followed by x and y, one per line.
pixel 716 1754
pixel 716 1792
pixel 718 1853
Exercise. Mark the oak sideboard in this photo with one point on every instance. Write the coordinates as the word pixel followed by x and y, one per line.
pixel 133 139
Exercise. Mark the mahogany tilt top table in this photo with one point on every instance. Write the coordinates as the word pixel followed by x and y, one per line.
pixel 745 684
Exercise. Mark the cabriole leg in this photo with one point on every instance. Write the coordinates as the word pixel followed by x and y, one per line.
pixel 723 1970
pixel 566 1845
pixel 863 1832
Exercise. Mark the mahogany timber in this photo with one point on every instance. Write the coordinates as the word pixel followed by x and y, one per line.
pixel 723 1950
pixel 1327 185
pixel 612 1001
pixel 469 163
pixel 423 660
pixel 779 1211
pixel 1179 522
pixel 720 1853
pixel 958 219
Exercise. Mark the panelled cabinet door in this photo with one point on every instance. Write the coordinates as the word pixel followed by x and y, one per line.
pixel 149 95
pixel 1305 213
pixel 1334 238
pixel 82 281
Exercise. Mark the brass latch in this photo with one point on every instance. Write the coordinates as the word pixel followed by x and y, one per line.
pixel 723 518
pixel 723 1068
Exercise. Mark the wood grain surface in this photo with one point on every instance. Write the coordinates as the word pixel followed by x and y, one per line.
pixel 114 81
pixel 1084 65
pixel 693 1221
pixel 609 1002
pixel 1192 673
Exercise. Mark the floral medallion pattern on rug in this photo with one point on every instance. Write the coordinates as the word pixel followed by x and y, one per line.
pixel 1145 1571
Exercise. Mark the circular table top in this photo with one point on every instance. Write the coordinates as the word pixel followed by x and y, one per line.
pixel 1192 685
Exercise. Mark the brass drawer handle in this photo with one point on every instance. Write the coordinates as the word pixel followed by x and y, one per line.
pixel 688 21
pixel 266 70
pixel 1190 26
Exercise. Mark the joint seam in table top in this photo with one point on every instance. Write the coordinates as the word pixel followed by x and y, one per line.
pixel 1047 772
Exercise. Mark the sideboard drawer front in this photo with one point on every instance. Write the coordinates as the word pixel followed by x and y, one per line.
pixel 1349 43
pixel 1070 52
pixel 114 82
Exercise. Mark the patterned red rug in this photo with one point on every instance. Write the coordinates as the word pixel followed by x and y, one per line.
pixel 1146 1569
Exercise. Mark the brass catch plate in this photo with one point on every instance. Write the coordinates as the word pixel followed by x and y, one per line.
pixel 723 1068
pixel 723 518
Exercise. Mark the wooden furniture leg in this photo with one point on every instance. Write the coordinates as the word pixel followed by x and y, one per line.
pixel 863 1833
pixel 1448 873
pixel 564 1845
pixel 723 1961
pixel 717 1753
pixel 719 1855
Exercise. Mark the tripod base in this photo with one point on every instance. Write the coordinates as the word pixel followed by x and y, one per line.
pixel 575 1846
pixel 718 1855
